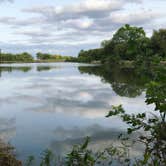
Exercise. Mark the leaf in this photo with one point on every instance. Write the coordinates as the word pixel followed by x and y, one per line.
pixel 84 146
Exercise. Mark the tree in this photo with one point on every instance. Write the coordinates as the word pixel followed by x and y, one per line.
pixel 90 55
pixel 43 56
pixel 22 57
pixel 126 42
pixel 158 42
pixel 104 43
pixel 25 57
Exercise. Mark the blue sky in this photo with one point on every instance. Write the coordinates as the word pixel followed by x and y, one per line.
pixel 67 26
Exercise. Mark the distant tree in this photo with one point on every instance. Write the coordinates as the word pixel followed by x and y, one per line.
pixel 43 56
pixel 23 57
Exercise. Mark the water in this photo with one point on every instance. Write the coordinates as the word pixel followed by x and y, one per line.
pixel 57 105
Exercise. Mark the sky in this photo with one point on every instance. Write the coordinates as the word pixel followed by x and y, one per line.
pixel 67 26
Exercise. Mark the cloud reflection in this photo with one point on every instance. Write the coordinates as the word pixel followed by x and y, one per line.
pixel 59 106
pixel 100 138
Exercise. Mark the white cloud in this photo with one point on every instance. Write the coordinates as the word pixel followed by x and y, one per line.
pixel 140 17
pixel 79 23
pixel 89 21
pixel 88 8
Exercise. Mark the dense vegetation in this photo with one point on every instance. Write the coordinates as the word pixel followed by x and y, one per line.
pixel 52 57
pixel 128 43
pixel 24 57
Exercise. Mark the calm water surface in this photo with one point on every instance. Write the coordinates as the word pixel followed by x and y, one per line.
pixel 56 105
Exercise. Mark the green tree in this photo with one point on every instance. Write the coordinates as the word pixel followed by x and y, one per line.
pixel 126 42
pixel 158 42
pixel 22 57
pixel 104 43
pixel 43 56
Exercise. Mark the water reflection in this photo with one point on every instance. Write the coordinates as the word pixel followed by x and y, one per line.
pixel 11 69
pixel 56 105
pixel 124 81
pixel 121 79
pixel 101 138
pixel 44 68
pixel 66 138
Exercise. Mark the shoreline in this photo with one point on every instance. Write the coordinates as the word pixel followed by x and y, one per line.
pixel 7 156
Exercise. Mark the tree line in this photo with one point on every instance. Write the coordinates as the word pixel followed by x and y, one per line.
pixel 128 43
pixel 46 56
pixel 26 57
pixel 22 57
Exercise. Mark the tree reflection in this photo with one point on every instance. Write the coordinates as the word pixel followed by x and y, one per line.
pixel 10 69
pixel 24 69
pixel 43 68
pixel 126 82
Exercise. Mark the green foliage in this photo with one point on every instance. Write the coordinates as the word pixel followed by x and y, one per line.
pixel 90 55
pixel 43 56
pixel 152 127
pixel 23 57
pixel 158 42
pixel 105 43
pixel 117 110
pixel 53 57
pixel 80 155
pixel 128 43
pixel 112 60
pixel 71 59
pixel 47 158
